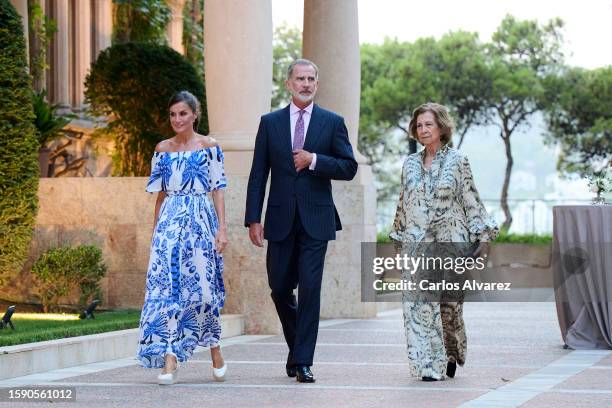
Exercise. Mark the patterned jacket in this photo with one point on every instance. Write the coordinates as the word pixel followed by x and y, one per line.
pixel 453 213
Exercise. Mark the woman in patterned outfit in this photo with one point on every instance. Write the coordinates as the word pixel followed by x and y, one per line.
pixel 184 288
pixel 438 203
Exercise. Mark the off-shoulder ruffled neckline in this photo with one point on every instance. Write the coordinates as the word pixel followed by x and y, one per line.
pixel 187 151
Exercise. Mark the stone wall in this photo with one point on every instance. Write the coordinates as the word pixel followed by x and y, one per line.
pixel 525 265
pixel 116 214
pixel 113 213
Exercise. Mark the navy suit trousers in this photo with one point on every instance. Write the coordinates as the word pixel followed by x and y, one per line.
pixel 297 261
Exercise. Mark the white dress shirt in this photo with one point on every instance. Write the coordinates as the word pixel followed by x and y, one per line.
pixel 294 114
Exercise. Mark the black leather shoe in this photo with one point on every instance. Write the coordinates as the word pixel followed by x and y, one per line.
pixel 429 379
pixel 451 367
pixel 290 366
pixel 291 371
pixel 304 375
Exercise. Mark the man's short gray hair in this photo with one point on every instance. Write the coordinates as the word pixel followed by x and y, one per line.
pixel 302 61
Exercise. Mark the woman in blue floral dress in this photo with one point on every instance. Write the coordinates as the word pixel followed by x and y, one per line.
pixel 184 288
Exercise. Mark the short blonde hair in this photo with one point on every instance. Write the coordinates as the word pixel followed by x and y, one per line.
pixel 443 120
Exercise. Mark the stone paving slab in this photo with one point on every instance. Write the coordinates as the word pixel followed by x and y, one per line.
pixel 383 353
pixel 575 400
pixel 309 396
pixel 589 379
pixel 607 361
pixel 347 336
pixel 327 374
pixel 512 351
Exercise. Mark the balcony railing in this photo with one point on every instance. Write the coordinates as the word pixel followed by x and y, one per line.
pixel 530 216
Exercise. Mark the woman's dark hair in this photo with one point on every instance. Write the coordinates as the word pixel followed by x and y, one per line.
pixel 191 101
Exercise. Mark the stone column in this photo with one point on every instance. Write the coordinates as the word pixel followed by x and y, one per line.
pixel 174 30
pixel 82 51
pixel 61 61
pixel 238 67
pixel 331 40
pixel 22 8
pixel 104 25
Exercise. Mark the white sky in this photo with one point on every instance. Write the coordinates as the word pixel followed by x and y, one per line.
pixel 588 30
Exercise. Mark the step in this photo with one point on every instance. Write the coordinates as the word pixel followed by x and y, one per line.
pixel 31 358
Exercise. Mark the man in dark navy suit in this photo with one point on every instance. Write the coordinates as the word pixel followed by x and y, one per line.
pixel 305 147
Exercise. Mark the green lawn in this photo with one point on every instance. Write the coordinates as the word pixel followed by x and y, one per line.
pixel 31 327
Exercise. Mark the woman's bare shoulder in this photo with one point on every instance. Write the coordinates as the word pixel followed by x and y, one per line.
pixel 207 141
pixel 164 145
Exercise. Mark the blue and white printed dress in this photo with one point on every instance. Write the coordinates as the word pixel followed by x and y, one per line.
pixel 184 289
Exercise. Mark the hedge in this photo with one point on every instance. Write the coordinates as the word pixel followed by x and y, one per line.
pixel 19 170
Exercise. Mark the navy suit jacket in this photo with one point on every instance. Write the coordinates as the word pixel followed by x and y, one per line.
pixel 309 190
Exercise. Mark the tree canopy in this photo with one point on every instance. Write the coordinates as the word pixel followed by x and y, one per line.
pixel 286 47
pixel 579 120
pixel 520 56
pixel 501 82
pixel 397 77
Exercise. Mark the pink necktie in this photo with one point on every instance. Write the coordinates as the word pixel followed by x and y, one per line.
pixel 298 137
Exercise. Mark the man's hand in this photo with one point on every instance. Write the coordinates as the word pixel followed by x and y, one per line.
pixel 301 159
pixel 256 234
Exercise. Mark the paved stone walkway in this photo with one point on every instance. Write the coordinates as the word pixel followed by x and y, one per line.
pixel 515 358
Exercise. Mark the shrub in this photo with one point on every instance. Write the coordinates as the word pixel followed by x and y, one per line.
pixel 382 237
pixel 18 147
pixel 505 238
pixel 48 125
pixel 60 272
pixel 131 84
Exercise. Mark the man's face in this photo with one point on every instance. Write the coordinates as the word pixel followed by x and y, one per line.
pixel 302 85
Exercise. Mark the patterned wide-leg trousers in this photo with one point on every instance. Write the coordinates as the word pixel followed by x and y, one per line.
pixel 453 328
